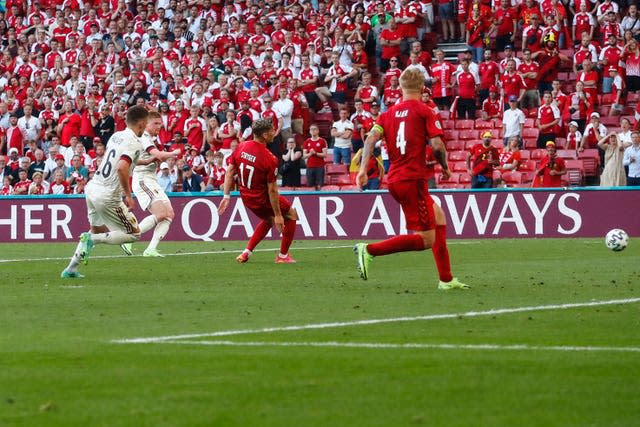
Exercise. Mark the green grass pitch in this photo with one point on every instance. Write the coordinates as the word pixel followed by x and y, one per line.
pixel 60 364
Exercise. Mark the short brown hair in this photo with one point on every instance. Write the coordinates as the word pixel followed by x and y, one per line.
pixel 261 126
pixel 136 113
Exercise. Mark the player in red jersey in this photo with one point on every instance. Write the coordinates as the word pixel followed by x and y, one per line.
pixel 408 127
pixel 257 169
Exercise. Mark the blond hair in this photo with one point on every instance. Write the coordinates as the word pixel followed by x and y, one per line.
pixel 411 80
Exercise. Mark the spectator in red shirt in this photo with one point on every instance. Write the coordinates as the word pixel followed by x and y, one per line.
pixel 467 86
pixel 314 153
pixel 492 106
pixel 506 21
pixel 528 69
pixel 548 121
pixel 390 39
pixel 551 168
pixel 481 160
pixel 489 72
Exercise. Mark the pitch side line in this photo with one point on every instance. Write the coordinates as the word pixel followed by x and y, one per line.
pixel 493 312
pixel 232 251
pixel 403 346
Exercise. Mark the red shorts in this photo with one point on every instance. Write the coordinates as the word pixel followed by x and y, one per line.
pixel 416 203
pixel 265 211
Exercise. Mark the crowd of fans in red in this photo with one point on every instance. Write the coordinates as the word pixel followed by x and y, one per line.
pixel 322 71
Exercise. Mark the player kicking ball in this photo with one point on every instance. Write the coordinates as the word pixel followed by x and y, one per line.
pixel 110 218
pixel 148 192
pixel 407 128
pixel 257 169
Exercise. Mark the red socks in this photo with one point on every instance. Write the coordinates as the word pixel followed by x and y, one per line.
pixel 441 254
pixel 404 243
pixel 414 242
pixel 261 230
pixel 287 235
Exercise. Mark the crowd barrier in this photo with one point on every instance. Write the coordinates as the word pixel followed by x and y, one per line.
pixel 526 213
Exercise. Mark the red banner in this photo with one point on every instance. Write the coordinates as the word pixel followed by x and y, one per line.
pixel 346 215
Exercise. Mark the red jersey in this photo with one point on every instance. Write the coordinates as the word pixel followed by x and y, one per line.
pixel 255 167
pixel 467 85
pixel 492 108
pixel 549 180
pixel 443 72
pixel 407 128
pixel 318 145
pixel 390 51
pixel 488 70
pixel 547 114
pixel 505 18
pixel 512 84
pixel 533 67
pixel 481 158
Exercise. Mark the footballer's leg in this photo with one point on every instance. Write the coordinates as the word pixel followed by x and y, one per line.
pixel 265 214
pixel 163 213
pixel 441 254
pixel 289 230
pixel 85 243
pixel 409 195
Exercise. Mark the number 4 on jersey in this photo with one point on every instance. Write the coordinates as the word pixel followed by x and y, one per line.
pixel 401 142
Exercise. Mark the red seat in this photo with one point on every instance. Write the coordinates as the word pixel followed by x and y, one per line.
pixel 465 178
pixel 458 156
pixel 343 179
pixel 525 154
pixel 333 169
pixel 468 134
pixel 328 158
pixel 454 145
pixel 330 188
pixel 450 135
pixel 611 121
pixel 483 124
pixel 527 166
pixel 607 99
pixel 575 172
pixel 527 177
pixel 512 177
pixel 566 154
pixel 529 123
pixel 590 161
pixel 530 133
pixel 465 124
pixel 561 142
pixel 453 179
pixel 470 143
pixel 530 143
pixel 459 166
pixel 448 124
pixel 538 153
pixel 444 114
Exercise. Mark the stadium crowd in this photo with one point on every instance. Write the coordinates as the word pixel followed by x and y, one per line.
pixel 544 95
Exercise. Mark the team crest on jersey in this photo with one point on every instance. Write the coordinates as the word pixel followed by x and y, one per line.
pixel 438 125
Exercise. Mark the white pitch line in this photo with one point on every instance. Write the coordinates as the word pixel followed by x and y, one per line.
pixel 147 340
pixel 421 346
pixel 231 251
pixel 169 255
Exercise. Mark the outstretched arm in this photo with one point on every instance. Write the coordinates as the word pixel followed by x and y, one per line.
pixel 228 183
pixel 440 153
pixel 369 144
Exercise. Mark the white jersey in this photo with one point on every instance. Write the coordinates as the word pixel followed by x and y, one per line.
pixel 147 171
pixel 122 145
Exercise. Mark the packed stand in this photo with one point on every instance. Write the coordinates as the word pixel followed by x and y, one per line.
pixel 544 95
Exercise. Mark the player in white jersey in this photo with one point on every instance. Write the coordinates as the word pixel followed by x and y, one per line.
pixel 109 217
pixel 148 192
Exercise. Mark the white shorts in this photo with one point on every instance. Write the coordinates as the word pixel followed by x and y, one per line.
pixel 103 209
pixel 147 191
